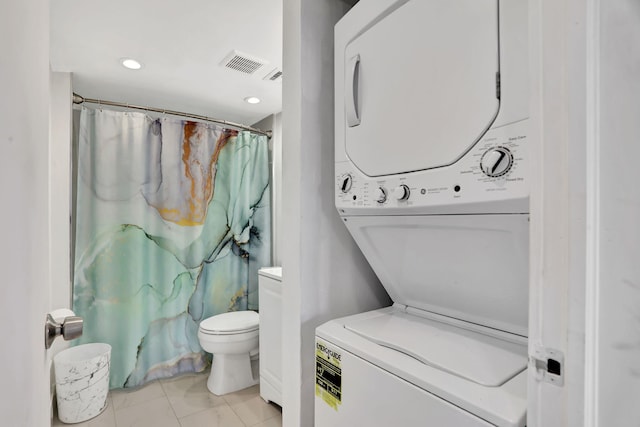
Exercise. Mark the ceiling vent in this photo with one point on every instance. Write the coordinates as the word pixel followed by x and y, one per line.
pixel 275 75
pixel 242 62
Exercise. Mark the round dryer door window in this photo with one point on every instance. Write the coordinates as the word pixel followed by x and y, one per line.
pixel 421 85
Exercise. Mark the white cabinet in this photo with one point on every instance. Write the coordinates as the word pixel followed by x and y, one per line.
pixel 270 294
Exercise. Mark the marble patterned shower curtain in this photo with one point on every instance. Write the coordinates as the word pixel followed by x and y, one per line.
pixel 172 224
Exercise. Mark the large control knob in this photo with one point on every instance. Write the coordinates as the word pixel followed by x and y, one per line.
pixel 496 161
pixel 346 182
pixel 381 195
pixel 401 193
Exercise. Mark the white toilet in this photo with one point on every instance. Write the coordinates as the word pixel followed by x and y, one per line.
pixel 232 338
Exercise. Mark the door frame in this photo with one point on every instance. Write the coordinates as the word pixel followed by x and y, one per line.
pixel 565 200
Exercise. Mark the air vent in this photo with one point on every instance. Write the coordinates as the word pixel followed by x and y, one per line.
pixel 274 75
pixel 242 62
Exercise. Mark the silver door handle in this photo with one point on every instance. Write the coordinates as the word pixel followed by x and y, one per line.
pixel 70 328
pixel 352 90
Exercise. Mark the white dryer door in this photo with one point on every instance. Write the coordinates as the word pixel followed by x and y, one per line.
pixel 421 85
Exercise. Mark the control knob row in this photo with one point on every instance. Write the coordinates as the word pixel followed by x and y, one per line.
pixel 400 193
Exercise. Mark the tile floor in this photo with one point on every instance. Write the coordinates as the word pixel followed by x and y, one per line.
pixel 184 402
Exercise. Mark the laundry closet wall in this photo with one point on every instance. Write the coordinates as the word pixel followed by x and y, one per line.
pixel 172 225
pixel 325 275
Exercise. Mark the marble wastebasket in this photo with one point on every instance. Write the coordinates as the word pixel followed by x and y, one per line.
pixel 82 381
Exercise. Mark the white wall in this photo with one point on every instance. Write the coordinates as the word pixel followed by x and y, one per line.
pixel 24 222
pixel 60 189
pixel 324 273
pixel 617 286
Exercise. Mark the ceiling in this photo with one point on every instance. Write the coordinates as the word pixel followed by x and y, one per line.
pixel 180 44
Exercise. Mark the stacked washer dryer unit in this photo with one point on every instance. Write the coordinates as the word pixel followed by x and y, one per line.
pixel 431 181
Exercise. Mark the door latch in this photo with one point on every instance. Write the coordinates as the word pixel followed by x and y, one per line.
pixel 548 364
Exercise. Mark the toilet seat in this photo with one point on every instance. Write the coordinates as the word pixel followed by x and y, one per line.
pixel 232 323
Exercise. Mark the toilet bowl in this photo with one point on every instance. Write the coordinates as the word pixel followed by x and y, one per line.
pixel 232 339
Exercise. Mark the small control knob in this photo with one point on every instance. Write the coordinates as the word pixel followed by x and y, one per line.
pixel 345 185
pixel 496 161
pixel 381 195
pixel 401 193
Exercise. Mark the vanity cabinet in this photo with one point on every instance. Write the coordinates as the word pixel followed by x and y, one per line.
pixel 270 294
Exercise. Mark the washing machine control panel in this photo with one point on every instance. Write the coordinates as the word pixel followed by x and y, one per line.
pixel 493 170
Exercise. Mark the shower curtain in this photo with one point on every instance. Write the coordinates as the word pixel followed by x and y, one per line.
pixel 172 225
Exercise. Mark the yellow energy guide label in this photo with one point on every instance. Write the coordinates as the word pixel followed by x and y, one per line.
pixel 328 375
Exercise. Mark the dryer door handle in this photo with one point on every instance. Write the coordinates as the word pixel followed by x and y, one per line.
pixel 352 91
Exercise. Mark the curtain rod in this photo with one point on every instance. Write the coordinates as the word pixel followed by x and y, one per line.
pixel 77 99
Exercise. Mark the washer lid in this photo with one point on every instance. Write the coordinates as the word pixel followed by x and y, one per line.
pixel 235 321
pixel 480 358
pixel 420 85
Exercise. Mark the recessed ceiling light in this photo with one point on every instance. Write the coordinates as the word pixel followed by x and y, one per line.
pixel 131 64
pixel 252 99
